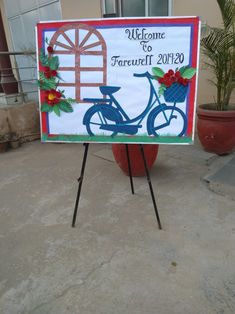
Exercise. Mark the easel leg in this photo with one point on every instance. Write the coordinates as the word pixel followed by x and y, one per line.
pixel 80 179
pixel 150 186
pixel 129 169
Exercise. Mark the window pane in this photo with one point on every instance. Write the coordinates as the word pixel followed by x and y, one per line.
pixel 110 6
pixel 133 7
pixel 12 8
pixel 18 35
pixel 30 20
pixel 50 12
pixel 158 7
pixel 27 5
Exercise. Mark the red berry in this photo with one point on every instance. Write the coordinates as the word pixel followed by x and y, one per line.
pixel 185 82
pixel 168 83
pixel 171 72
pixel 47 69
pixel 50 49
pixel 180 80
pixel 177 74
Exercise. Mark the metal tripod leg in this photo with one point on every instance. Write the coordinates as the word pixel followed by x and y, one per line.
pixel 150 186
pixel 80 179
pixel 129 169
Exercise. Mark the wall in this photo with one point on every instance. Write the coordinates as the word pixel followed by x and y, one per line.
pixel 72 9
pixel 209 13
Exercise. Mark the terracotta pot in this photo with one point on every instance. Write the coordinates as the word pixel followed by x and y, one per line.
pixel 137 164
pixel 216 129
pixel 3 147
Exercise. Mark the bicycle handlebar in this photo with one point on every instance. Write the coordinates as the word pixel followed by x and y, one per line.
pixel 145 74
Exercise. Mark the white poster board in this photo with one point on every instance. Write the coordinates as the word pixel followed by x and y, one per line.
pixel 118 80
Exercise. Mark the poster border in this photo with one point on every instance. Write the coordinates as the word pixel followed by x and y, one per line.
pixel 192 21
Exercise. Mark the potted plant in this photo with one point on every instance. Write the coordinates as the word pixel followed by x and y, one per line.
pixel 216 122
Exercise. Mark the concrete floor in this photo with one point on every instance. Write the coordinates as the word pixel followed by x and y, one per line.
pixel 115 261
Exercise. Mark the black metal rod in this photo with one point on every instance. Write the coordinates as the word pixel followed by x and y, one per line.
pixel 150 186
pixel 80 179
pixel 129 169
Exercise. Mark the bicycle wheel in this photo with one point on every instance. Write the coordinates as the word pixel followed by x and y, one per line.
pixel 101 115
pixel 162 122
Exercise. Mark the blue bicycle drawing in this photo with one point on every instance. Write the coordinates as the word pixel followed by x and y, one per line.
pixel 107 114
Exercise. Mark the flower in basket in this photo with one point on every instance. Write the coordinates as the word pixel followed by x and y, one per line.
pixel 174 84
pixel 53 99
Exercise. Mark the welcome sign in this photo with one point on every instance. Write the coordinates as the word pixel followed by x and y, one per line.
pixel 118 80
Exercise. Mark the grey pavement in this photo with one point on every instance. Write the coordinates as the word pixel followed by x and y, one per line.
pixel 116 260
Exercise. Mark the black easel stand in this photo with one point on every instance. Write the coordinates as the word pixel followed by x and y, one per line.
pixel 150 186
pixel 80 180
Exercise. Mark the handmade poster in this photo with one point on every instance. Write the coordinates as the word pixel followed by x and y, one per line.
pixel 124 80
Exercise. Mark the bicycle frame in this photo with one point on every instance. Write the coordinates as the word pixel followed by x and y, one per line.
pixel 111 110
pixel 149 106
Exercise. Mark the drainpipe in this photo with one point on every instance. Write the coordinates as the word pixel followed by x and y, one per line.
pixel 8 82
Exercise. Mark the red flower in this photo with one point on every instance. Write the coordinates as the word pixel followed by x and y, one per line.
pixel 47 74
pixel 53 97
pixel 58 94
pixel 50 49
pixel 53 72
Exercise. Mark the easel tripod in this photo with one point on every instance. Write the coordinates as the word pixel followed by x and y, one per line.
pixel 80 181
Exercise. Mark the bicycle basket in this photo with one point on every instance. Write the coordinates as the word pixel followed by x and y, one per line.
pixel 176 93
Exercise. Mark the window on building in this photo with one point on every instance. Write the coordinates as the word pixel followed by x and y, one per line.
pixel 135 8
pixel 22 16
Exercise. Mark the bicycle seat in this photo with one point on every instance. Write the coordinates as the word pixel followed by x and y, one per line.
pixel 109 90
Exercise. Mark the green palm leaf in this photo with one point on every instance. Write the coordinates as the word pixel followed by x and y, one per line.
pixel 219 49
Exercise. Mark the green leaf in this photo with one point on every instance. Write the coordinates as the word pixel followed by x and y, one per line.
pixel 56 110
pixel 53 62
pixel 46 108
pixel 65 106
pixel 158 72
pixel 182 69
pixel 161 90
pixel 46 84
pixel 70 100
pixel 59 77
pixel 188 73
pixel 43 58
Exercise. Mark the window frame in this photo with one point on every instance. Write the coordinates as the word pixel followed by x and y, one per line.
pixel 117 4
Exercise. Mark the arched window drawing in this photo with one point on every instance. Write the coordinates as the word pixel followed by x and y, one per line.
pixel 84 58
